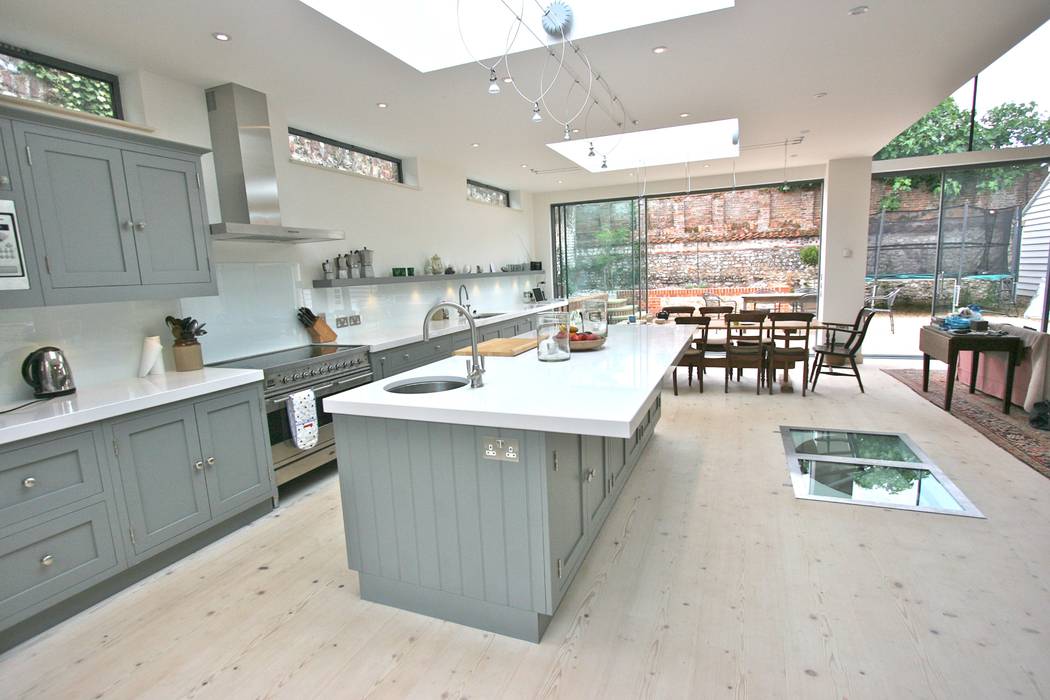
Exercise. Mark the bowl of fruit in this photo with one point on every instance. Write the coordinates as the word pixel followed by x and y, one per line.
pixel 583 340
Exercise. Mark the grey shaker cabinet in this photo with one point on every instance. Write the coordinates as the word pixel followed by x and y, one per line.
pixel 171 235
pixel 84 212
pixel 236 460
pixel 162 469
pixel 6 183
pixel 113 215
pixel 566 509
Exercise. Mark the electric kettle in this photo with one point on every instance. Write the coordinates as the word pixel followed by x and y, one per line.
pixel 47 371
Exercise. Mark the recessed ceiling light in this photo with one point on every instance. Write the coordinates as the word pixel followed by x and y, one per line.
pixel 508 79
pixel 381 105
pixel 820 95
pixel 575 131
pixel 559 182
pixel 221 36
pixel 475 145
pixel 524 165
pixel 859 10
pixel 684 115
pixel 659 49
pixel 707 165
pixel 803 131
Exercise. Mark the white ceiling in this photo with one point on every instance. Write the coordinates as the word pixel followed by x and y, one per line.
pixel 761 61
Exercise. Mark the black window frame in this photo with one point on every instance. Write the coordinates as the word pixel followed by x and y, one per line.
pixel 476 183
pixel 303 133
pixel 68 66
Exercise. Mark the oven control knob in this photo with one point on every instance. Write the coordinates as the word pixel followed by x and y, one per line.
pixel 315 372
pixel 284 380
pixel 297 376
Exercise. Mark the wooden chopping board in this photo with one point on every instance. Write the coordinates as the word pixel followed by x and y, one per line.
pixel 502 347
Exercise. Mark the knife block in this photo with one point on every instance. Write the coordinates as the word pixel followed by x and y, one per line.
pixel 321 332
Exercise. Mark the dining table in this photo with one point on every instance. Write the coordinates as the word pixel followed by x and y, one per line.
pixel 778 298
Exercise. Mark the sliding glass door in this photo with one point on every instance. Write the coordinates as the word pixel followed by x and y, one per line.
pixel 600 247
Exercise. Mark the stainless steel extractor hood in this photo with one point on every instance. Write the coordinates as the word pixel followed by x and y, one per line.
pixel 244 168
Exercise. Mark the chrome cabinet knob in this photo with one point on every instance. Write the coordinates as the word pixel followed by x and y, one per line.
pixel 5 181
pixel 140 226
pixel 128 225
pixel 47 560
pixel 198 465
pixel 590 475
pixel 29 482
pixel 211 461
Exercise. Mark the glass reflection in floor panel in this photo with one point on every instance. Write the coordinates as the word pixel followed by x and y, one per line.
pixel 869 468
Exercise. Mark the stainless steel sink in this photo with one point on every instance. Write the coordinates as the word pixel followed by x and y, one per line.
pixel 489 314
pixel 426 385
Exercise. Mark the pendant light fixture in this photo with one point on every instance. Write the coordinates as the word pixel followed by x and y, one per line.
pixel 605 165
pixel 536 116
pixel 590 153
pixel 494 88
pixel 568 133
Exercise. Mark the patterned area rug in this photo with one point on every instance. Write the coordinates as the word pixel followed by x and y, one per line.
pixel 984 414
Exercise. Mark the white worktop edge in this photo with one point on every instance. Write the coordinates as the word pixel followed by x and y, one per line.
pixel 97 403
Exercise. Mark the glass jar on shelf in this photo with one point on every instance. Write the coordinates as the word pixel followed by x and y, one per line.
pixel 552 336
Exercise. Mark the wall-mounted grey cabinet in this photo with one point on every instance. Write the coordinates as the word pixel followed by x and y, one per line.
pixel 112 215
pixel 6 183
pixel 81 506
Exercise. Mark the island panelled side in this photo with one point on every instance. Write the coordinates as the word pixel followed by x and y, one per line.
pixel 434 526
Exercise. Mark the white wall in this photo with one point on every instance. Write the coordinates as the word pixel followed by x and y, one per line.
pixel 844 239
pixel 402 224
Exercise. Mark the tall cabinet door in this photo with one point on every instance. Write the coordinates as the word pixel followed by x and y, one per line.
pixel 170 231
pixel 84 214
pixel 162 470
pixel 567 512
pixel 237 463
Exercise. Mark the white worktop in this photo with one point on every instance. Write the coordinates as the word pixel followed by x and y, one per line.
pixel 96 403
pixel 603 392
pixel 402 332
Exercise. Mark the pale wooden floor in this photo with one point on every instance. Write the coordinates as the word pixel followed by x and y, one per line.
pixel 709 580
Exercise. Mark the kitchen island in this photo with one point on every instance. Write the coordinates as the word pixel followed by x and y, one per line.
pixel 479 505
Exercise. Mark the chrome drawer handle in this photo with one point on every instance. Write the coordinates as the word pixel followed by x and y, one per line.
pixel 198 465
pixel 47 560
pixel 590 475
pixel 211 461
pixel 29 482
pixel 140 226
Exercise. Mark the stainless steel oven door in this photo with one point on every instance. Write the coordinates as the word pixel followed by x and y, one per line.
pixel 288 460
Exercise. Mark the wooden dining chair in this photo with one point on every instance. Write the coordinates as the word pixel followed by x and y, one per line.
pixel 793 345
pixel 678 310
pixel 842 351
pixel 746 345
pixel 694 356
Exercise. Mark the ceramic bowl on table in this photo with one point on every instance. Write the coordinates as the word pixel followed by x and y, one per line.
pixel 584 345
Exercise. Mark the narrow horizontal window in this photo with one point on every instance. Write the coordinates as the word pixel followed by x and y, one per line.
pixel 488 194
pixel 329 153
pixel 33 76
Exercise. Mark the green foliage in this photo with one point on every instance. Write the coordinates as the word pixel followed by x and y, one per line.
pixel 70 90
pixel 889 479
pixel 606 265
pixel 809 255
pixel 946 129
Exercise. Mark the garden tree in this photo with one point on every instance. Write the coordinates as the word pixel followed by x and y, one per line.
pixel 946 129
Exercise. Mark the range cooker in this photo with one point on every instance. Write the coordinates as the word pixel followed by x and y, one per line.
pixel 327 369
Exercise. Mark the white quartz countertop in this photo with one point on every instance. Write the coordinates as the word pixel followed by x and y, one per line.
pixel 393 334
pixel 96 403
pixel 602 392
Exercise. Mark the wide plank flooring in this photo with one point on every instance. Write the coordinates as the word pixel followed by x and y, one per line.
pixel 709 580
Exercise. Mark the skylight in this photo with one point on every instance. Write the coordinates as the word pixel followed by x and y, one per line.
pixel 425 34
pixel 638 149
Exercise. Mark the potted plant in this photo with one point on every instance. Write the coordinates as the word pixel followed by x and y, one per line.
pixel 187 349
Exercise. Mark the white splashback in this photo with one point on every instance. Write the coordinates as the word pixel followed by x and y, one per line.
pixel 102 342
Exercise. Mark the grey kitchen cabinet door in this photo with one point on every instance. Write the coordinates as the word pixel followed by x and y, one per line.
pixel 159 457
pixel 235 450
pixel 488 334
pixel 6 182
pixel 615 458
pixel 594 476
pixel 170 232
pixel 84 213
pixel 566 510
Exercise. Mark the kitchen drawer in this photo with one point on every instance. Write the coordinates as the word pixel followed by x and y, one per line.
pixel 42 562
pixel 48 474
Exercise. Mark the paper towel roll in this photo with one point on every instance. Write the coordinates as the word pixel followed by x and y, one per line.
pixel 151 355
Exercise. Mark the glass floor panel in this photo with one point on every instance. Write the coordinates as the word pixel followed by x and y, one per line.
pixel 839 443
pixel 871 469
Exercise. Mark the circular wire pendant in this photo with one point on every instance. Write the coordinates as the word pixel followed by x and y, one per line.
pixel 557 20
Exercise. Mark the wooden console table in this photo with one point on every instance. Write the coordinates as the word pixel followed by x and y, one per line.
pixel 944 346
